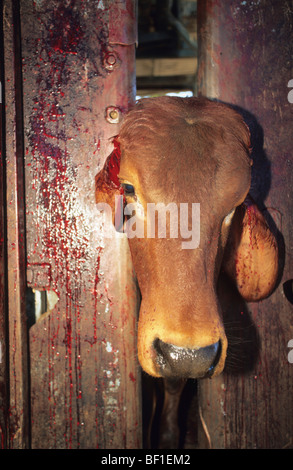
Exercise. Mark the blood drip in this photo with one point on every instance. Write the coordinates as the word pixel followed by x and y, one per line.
pixel 114 164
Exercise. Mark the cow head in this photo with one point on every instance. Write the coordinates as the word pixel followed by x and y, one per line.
pixel 186 151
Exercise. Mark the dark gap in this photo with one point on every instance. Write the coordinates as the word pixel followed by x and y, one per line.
pixel 288 290
pixel 30 308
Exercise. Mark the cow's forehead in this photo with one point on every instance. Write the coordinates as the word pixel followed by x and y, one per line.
pixel 185 148
pixel 177 177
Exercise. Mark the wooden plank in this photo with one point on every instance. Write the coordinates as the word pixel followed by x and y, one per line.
pixel 166 67
pixel 4 379
pixel 85 382
pixel 251 405
pixel 18 356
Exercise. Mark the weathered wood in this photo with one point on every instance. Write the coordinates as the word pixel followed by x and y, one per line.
pixel 18 420
pixel 244 59
pixel 78 61
pixel 3 274
pixel 166 67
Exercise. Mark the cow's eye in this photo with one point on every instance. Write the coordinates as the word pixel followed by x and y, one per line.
pixel 128 189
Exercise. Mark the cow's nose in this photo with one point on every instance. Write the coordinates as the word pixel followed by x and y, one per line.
pixel 175 361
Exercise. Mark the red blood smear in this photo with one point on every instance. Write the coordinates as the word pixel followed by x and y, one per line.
pixel 54 178
pixel 131 376
pixel 65 33
pixel 114 164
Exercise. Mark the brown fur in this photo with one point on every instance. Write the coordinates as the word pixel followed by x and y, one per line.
pixel 192 150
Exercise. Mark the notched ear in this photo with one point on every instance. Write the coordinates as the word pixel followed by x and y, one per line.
pixel 107 182
pixel 108 187
pixel 251 254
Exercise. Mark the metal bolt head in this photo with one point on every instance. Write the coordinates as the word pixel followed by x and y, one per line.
pixel 113 115
pixel 111 61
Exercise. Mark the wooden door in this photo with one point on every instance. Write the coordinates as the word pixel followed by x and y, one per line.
pixel 78 386
pixel 245 59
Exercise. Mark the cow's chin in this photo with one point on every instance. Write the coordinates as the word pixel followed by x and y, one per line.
pixel 161 355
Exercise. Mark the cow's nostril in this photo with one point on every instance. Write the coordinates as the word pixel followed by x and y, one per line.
pixel 175 361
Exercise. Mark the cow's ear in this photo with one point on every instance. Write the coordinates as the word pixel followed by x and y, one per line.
pixel 251 254
pixel 107 185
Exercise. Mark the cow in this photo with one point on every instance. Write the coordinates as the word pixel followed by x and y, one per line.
pixel 191 151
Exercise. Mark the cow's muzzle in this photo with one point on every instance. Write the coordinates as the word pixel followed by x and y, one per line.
pixel 175 361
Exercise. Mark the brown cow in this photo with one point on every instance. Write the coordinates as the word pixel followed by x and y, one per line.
pixel 189 150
